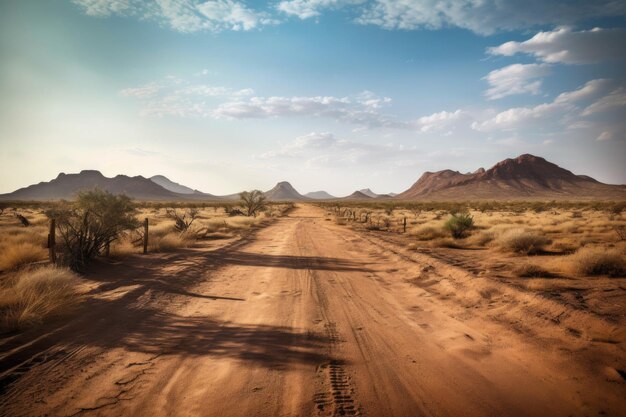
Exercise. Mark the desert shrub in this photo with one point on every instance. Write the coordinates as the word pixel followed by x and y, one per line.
pixel 598 261
pixel 428 233
pixel 87 226
pixel 253 202
pixel 529 270
pixel 521 241
pixel 459 224
pixel 183 219
pixel 34 295
pixel 15 255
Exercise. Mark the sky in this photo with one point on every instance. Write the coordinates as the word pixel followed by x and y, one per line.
pixel 333 95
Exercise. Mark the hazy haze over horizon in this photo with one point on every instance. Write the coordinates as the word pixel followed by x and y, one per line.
pixel 333 95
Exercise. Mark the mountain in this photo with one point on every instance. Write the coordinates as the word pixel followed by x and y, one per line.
pixel 357 195
pixel 283 191
pixel 524 177
pixel 171 185
pixel 319 195
pixel 65 186
pixel 368 192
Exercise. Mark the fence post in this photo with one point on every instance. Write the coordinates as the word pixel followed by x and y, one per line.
pixel 404 225
pixel 145 236
pixel 52 244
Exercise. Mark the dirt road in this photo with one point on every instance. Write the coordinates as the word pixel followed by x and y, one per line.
pixel 307 319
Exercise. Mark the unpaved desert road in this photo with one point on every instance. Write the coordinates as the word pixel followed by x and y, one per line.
pixel 307 319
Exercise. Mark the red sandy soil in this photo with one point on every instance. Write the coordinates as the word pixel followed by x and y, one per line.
pixel 308 318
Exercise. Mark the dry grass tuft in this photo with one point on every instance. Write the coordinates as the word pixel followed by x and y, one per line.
pixel 521 241
pixel 34 295
pixel 428 233
pixel 16 255
pixel 169 242
pixel 529 270
pixel 598 261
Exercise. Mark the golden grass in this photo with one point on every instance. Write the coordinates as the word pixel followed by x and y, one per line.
pixel 598 261
pixel 20 254
pixel 521 241
pixel 425 233
pixel 169 242
pixel 34 295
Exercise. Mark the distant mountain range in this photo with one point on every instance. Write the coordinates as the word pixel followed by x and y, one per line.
pixel 524 177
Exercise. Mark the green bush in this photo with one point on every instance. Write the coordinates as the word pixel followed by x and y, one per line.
pixel 459 224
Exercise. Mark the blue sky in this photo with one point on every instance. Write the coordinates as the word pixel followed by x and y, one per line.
pixel 337 95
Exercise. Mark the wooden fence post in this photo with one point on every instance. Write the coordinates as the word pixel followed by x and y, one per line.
pixel 404 225
pixel 52 244
pixel 145 236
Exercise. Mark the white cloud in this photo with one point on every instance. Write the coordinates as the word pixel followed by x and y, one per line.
pixel 305 9
pixel 515 79
pixel 518 116
pixel 613 101
pixel 175 96
pixel 590 90
pixel 484 16
pixel 439 121
pixel 563 45
pixel 183 15
pixel 362 110
pixel 570 110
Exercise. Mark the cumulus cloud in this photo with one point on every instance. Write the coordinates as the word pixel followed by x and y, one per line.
pixel 439 121
pixel 564 105
pixel 484 16
pixel 515 79
pixel 563 45
pixel 183 15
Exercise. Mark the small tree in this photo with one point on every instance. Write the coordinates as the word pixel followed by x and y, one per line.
pixel 183 219
pixel 253 202
pixel 92 222
pixel 459 224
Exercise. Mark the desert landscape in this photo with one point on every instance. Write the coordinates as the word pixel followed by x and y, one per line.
pixel 312 208
pixel 279 304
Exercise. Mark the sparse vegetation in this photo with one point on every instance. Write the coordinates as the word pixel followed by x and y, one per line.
pixel 459 224
pixel 521 241
pixel 183 220
pixel 20 254
pixel 88 225
pixel 32 296
pixel 253 202
pixel 597 261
